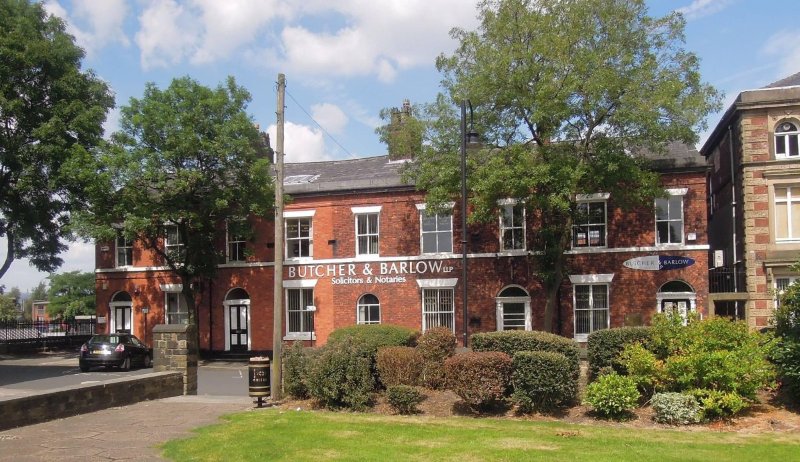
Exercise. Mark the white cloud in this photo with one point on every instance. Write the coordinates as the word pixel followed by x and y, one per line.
pixel 701 8
pixel 301 143
pixel 95 24
pixel 330 117
pixel 781 44
pixel 79 257
pixel 378 39
pixel 167 34
pixel 227 25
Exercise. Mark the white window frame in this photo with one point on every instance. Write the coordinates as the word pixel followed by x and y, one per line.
pixel 437 231
pixel 365 213
pixel 234 241
pixel 363 310
pixel 792 198
pixel 510 205
pixel 787 137
pixel 126 247
pixel 168 244
pixel 589 199
pixel 300 284
pixel 183 308
pixel 439 287
pixel 672 193
pixel 780 286
pixel 299 215
pixel 591 280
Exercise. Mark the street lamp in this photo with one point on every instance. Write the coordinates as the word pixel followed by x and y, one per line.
pixel 472 138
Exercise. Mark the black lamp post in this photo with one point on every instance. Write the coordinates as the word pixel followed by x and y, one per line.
pixel 472 138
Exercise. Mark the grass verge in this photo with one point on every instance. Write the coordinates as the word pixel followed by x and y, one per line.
pixel 283 435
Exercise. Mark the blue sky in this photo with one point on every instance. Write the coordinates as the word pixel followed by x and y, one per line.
pixel 345 60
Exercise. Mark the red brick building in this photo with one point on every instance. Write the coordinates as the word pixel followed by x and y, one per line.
pixel 754 191
pixel 360 248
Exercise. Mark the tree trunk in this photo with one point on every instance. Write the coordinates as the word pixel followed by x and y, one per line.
pixel 9 253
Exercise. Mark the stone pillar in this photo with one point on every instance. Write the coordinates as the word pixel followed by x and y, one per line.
pixel 175 349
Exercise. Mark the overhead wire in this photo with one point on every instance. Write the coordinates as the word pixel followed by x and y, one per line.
pixel 320 126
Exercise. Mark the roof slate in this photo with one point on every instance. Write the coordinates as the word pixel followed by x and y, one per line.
pixel 791 81
pixel 378 172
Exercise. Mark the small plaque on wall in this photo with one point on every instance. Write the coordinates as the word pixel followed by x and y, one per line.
pixel 101 320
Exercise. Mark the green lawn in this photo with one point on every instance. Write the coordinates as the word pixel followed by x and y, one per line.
pixel 274 434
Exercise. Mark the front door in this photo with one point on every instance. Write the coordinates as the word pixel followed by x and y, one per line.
pixel 676 306
pixel 237 318
pixel 122 319
pixel 513 315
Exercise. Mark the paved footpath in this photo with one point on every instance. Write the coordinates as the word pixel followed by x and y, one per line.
pixel 120 433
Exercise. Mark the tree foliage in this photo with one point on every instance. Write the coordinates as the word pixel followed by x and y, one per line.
pixel 566 93
pixel 51 116
pixel 8 307
pixel 186 159
pixel 71 294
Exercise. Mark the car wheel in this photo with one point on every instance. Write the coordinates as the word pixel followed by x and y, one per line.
pixel 126 365
pixel 147 362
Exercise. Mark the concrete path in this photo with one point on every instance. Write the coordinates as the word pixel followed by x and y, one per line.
pixel 122 433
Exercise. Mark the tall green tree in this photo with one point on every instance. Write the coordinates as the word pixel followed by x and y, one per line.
pixel 71 294
pixel 51 116
pixel 8 308
pixel 187 159
pixel 565 93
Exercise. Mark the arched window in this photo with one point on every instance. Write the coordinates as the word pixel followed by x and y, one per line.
pixel 787 140
pixel 369 309
pixel 677 298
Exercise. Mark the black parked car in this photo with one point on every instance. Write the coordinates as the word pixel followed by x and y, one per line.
pixel 120 350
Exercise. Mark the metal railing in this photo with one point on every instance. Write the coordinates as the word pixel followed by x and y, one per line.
pixel 726 280
pixel 25 335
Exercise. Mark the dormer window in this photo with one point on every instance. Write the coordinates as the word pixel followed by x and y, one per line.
pixel 787 136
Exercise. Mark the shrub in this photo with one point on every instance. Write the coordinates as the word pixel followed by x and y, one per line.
pixel 675 408
pixel 370 337
pixel 543 380
pixel 720 354
pixel 511 342
pixel 435 345
pixel 480 379
pixel 403 398
pixel 341 376
pixel 719 404
pixel 374 336
pixel 612 395
pixel 786 351
pixel 641 365
pixel 786 356
pixel 297 361
pixel 399 365
pixel 604 346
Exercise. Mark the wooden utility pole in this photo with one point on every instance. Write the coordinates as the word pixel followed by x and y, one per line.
pixel 277 308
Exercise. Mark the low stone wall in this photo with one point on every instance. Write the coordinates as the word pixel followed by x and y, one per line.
pixel 81 399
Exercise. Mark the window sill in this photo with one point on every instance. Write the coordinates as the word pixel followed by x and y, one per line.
pixel 300 336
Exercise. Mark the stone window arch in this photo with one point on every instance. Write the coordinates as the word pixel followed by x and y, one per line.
pixel 787 139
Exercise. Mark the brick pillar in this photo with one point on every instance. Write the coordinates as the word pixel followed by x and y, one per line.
pixel 175 349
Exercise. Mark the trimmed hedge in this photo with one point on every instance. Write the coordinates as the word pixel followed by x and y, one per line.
pixel 435 345
pixel 543 380
pixel 513 341
pixel 341 376
pixel 604 346
pixel 399 365
pixel 374 336
pixel 480 379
